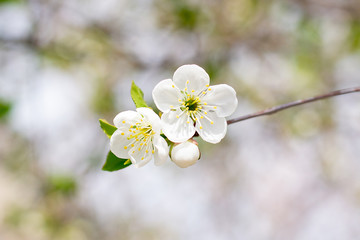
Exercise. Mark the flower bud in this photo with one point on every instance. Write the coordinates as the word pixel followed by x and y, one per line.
pixel 185 154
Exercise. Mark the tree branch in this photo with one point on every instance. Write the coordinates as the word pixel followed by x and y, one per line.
pixel 276 109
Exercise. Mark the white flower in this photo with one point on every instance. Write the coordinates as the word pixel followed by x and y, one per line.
pixel 138 137
pixel 189 104
pixel 185 154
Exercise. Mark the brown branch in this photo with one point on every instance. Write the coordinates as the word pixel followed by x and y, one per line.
pixel 275 109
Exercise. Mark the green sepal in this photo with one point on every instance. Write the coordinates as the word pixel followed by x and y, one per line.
pixel 137 96
pixel 107 127
pixel 113 163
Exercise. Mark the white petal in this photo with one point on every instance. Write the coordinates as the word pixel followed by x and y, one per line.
pixel 161 150
pixel 166 95
pixel 119 143
pixel 126 118
pixel 152 117
pixel 196 76
pixel 177 129
pixel 211 128
pixel 140 158
pixel 223 97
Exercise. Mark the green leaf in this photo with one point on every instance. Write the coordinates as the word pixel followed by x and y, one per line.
pixel 107 127
pixel 113 163
pixel 137 96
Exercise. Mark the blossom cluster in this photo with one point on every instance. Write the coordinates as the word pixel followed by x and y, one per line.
pixel 189 105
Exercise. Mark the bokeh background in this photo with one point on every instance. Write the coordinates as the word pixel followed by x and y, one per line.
pixel 293 175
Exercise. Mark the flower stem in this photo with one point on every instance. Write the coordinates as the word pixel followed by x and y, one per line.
pixel 276 109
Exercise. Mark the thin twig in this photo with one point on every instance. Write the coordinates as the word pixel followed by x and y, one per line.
pixel 275 109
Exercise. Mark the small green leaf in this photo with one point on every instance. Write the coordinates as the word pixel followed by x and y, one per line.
pixel 113 163
pixel 107 127
pixel 137 96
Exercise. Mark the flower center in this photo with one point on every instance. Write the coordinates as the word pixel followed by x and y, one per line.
pixel 140 136
pixel 191 104
pixel 141 132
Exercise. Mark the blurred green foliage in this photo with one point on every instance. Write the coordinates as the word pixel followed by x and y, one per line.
pixel 187 16
pixel 14 216
pixel 354 36
pixel 308 56
pixel 308 45
pixel 103 100
pixel 10 1
pixel 62 55
pixel 60 184
pixel 181 14
pixel 5 108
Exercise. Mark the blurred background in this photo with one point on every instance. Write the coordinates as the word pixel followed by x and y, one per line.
pixel 65 64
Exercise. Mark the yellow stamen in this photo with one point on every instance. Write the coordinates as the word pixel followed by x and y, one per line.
pixel 200 127
pixel 205 112
pixel 215 107
pixel 207 85
pixel 122 133
pixel 201 117
pixel 209 89
pixel 123 121
pixel 212 122
pixel 173 86
pixel 177 116
pixel 125 147
pixel 152 151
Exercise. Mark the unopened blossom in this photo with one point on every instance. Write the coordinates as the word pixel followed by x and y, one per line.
pixel 185 154
pixel 138 137
pixel 189 104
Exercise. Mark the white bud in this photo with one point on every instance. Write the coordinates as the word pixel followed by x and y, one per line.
pixel 185 154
